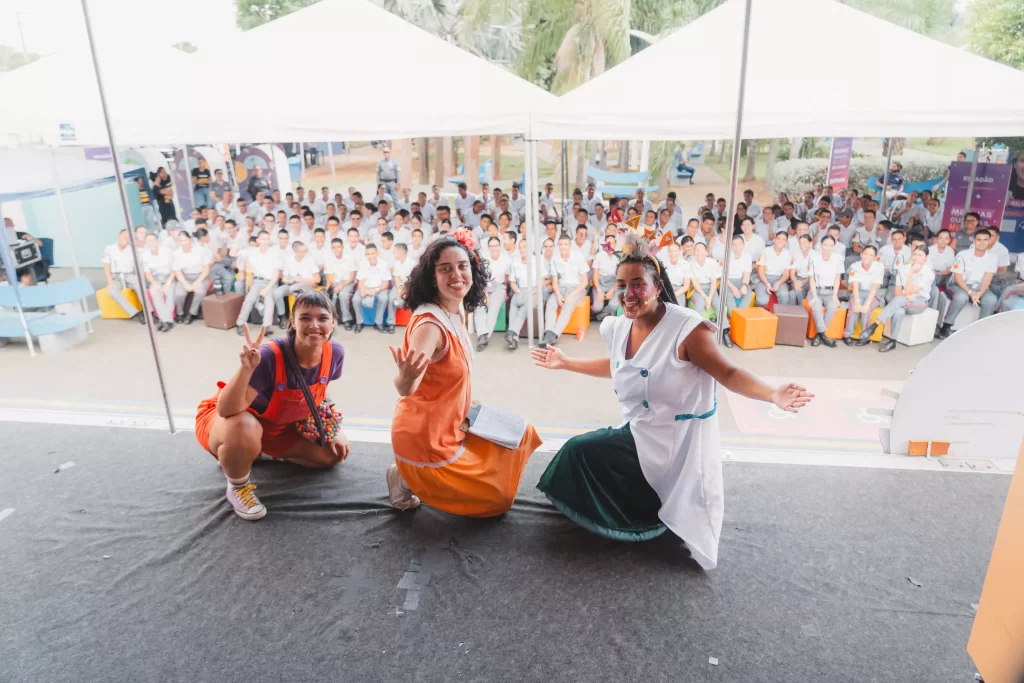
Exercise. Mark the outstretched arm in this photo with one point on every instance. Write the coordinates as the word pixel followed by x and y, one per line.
pixel 552 358
pixel 700 349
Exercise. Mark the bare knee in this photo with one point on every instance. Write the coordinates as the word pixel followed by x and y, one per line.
pixel 322 458
pixel 242 431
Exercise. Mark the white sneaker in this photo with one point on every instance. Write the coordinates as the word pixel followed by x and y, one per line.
pixel 245 502
pixel 400 497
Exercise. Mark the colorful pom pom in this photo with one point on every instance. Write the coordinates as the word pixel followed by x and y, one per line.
pixel 329 415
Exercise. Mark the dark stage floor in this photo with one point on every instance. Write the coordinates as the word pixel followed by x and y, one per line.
pixel 129 566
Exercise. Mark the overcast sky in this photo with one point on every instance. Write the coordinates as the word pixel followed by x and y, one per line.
pixel 49 24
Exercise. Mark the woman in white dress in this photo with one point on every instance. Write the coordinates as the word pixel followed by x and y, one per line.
pixel 662 467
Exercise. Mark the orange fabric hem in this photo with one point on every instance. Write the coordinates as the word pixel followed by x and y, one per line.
pixel 481 483
pixel 274 445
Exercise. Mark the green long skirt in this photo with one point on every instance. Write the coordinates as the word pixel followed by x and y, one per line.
pixel 595 480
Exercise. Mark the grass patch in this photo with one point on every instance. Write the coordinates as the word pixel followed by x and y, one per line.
pixel 947 147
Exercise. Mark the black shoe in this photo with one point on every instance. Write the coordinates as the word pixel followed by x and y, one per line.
pixel 481 342
pixel 727 340
pixel 179 319
pixel 887 346
pixel 848 341
pixel 831 343
pixel 140 317
pixel 189 319
pixel 358 328
pixel 816 340
pixel 379 328
pixel 240 329
pixel 550 338
pixel 168 327
pixel 945 330
pixel 513 342
pixel 348 326
pixel 390 329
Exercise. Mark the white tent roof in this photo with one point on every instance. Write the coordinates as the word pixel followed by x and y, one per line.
pixel 686 85
pixel 349 56
pixel 60 89
pixel 28 174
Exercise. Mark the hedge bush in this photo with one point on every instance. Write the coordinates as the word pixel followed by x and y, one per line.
pixel 799 175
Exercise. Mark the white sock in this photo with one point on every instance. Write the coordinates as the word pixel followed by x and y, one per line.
pixel 239 482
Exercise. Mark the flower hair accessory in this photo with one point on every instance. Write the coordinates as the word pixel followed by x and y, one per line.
pixel 465 238
pixel 642 242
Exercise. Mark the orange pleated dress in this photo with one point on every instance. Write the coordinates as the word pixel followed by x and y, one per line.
pixel 448 468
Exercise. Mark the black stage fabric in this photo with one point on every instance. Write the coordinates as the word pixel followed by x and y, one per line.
pixel 130 566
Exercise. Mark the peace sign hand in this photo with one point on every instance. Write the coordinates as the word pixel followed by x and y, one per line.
pixel 411 365
pixel 250 355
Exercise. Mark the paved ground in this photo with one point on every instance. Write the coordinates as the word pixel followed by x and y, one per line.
pixel 114 372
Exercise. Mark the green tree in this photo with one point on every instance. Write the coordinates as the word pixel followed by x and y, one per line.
pixel 186 46
pixel 995 29
pixel 933 18
pixel 252 13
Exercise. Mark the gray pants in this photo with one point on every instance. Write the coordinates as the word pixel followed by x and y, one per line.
pixel 343 300
pixel 799 293
pixel 380 301
pixel 961 298
pixel 517 308
pixel 933 299
pixel 823 297
pixel 784 295
pixel 486 317
pixel 1011 296
pixel 600 307
pixel 897 309
pixel 163 304
pixel 121 281
pixel 553 320
pixel 222 274
pixel 197 296
pixel 251 297
pixel 865 318
pixel 730 301
pixel 395 301
pixel 281 294
pixel 699 302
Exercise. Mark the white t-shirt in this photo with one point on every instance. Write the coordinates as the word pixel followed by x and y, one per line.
pixel 890 259
pixel 402 236
pixel 569 271
pixel 775 264
pixel 356 253
pixel 1002 254
pixel 465 204
pixel 119 260
pixel 973 267
pixel 320 254
pixel 401 269
pixel 158 264
pixel 825 272
pixel 304 236
pixel 583 251
pixel 305 268
pixel 874 275
pixel 940 261
pixel 191 262
pixel 518 273
pixel 678 272
pixel 416 252
pixel 873 237
pixel 754 247
pixel 373 277
pixel 801 262
pixel 763 230
pixel 932 222
pixel 711 270
pixel 262 264
pixel 339 268
pixel 740 265
pixel 606 264
pixel 923 278
pixel 500 268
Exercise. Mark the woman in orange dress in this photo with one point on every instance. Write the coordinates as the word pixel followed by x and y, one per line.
pixel 436 460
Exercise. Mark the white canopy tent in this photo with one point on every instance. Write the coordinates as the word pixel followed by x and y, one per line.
pixel 381 48
pixel 686 84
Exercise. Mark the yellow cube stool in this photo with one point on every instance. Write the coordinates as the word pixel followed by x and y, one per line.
pixel 580 319
pixel 753 328
pixel 877 336
pixel 110 309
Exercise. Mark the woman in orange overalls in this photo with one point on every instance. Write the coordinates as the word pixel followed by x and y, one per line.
pixel 436 461
pixel 255 413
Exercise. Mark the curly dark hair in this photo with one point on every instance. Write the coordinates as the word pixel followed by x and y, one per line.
pixel 656 269
pixel 421 287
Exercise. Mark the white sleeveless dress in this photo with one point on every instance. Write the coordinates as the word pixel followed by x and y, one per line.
pixel 670 406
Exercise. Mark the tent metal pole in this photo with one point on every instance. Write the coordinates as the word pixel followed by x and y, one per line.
pixel 302 162
pixel 734 172
pixel 12 276
pixel 119 179
pixel 334 173
pixel 538 249
pixel 882 201
pixel 67 231
pixel 531 220
pixel 970 183
pixel 563 179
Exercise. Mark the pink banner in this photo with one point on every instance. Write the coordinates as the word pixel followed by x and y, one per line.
pixel 839 163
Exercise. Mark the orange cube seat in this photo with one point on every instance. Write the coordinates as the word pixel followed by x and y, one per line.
pixel 580 319
pixel 753 328
pixel 835 329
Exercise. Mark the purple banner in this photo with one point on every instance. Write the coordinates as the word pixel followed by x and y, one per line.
pixel 247 159
pixel 839 163
pixel 97 153
pixel 1012 227
pixel 989 200
pixel 181 177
